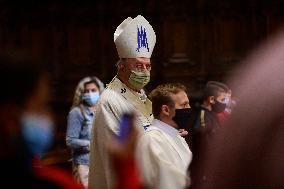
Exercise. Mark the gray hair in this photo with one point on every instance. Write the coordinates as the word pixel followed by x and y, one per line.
pixel 120 61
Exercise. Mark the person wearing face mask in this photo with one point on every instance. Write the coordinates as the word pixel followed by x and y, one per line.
pixel 230 105
pixel 206 125
pixel 27 125
pixel 134 39
pixel 79 125
pixel 165 154
pixel 213 103
pixel 224 115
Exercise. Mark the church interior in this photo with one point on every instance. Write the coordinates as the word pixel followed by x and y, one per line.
pixel 197 41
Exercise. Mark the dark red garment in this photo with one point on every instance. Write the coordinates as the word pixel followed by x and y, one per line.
pixel 57 176
pixel 222 117
pixel 127 174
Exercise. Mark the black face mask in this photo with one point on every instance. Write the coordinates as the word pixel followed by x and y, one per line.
pixel 218 107
pixel 182 117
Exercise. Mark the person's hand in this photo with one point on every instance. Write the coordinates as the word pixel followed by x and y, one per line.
pixel 126 149
pixel 182 132
pixel 122 154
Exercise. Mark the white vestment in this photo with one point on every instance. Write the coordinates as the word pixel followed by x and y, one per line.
pixel 116 99
pixel 163 157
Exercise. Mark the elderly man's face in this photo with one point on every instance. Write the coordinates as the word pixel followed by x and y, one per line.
pixel 135 72
pixel 138 64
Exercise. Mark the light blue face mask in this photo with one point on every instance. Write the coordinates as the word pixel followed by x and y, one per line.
pixel 91 98
pixel 37 131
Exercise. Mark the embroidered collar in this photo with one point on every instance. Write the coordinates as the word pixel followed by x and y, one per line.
pixel 139 101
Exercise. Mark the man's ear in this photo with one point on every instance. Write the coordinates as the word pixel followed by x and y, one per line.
pixel 165 110
pixel 121 67
pixel 211 99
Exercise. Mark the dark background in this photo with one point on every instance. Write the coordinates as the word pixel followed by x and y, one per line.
pixel 197 40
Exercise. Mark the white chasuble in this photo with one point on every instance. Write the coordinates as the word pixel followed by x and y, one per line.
pixel 116 99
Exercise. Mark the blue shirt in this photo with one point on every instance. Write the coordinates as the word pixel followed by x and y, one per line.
pixel 78 135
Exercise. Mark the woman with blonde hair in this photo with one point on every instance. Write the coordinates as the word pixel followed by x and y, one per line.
pixel 79 125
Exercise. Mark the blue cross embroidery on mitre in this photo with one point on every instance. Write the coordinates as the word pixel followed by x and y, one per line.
pixel 142 38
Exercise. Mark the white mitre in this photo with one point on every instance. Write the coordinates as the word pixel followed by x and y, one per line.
pixel 134 38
